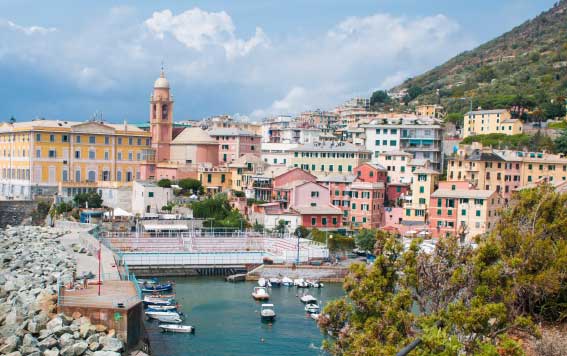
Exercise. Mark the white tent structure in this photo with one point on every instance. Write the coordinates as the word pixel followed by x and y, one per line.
pixel 119 213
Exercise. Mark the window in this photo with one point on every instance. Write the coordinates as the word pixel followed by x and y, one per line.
pixel 130 156
pixel 453 187
pixel 139 141
pixel 130 141
pixel 324 221
pixel 106 155
pixel 52 154
pixel 92 139
pixel 450 212
pixel 478 213
pixel 392 142
pixel 222 178
pixel 314 194
pixel 64 138
pixel 51 138
pixel 106 140
pixel 353 207
pixel 78 139
pixel 464 212
pixel 119 140
pixel 77 154
pixel 439 212
pixel 330 167
pixel 77 176
pixel 422 189
pixel 334 221
pixel 408 212
pixel 38 137
pixel 92 154
pixel 119 176
pixel 439 202
pixel 313 221
pixel 421 200
pixel 150 194
pixel 209 178
pixel 38 153
pixel 450 203
pixel 119 156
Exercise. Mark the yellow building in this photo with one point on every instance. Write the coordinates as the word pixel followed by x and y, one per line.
pixel 67 157
pixel 322 158
pixel 425 182
pixel 435 111
pixel 215 179
pixel 504 170
pixel 512 127
pixel 486 122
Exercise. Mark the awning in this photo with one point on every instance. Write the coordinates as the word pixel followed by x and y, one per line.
pixel 166 227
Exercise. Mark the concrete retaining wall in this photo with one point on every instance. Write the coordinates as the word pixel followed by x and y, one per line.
pixel 14 212
pixel 322 273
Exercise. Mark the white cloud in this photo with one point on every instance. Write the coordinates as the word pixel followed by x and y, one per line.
pixel 197 29
pixel 31 30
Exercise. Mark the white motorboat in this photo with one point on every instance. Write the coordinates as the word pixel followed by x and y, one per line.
pixel 260 293
pixel 287 282
pixel 312 308
pixel 314 316
pixel 308 298
pixel 262 282
pixel 300 283
pixel 154 314
pixel 314 284
pixel 155 307
pixel 158 301
pixel 177 328
pixel 275 282
pixel 166 317
pixel 267 312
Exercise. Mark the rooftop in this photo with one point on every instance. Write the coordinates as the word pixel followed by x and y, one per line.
pixel 232 131
pixel 330 146
pixel 194 135
pixel 495 111
pixel 303 210
pixel 63 124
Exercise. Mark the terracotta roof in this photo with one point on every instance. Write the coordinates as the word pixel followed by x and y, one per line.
pixel 230 132
pixel 304 210
pixel 194 135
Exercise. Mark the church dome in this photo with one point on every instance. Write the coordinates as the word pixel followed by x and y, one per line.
pixel 161 82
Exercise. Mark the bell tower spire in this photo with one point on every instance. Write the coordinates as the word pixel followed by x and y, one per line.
pixel 161 117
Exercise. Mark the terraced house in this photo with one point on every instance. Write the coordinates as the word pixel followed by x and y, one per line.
pixel 329 157
pixel 67 157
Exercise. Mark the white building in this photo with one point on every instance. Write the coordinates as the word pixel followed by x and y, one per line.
pixel 117 197
pixel 149 198
pixel 277 153
pixel 422 137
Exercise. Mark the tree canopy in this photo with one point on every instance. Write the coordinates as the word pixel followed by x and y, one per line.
pixel 459 299
pixel 219 212
pixel 93 199
pixel 164 183
pixel 191 185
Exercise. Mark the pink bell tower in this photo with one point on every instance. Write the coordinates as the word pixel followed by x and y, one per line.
pixel 161 118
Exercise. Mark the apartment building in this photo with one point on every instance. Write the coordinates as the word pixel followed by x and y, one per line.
pixel 329 157
pixel 424 183
pixel 277 153
pixel 422 137
pixel 457 209
pixel 67 157
pixel 484 122
pixel 234 143
pixel 504 170
pixel 436 111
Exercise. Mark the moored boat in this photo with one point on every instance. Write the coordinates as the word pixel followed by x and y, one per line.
pixel 267 312
pixel 314 284
pixel 148 300
pixel 146 288
pixel 148 281
pixel 308 298
pixel 276 282
pixel 155 307
pixel 300 283
pixel 262 282
pixel 287 282
pixel 260 293
pixel 167 317
pixel 312 308
pixel 177 328
pixel 314 316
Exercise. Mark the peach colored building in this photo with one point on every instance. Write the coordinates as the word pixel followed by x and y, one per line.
pixel 234 143
pixel 457 209
pixel 194 146
pixel 161 118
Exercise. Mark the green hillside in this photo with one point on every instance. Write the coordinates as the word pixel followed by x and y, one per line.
pixel 526 67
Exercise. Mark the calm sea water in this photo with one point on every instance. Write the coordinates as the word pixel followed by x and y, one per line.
pixel 227 321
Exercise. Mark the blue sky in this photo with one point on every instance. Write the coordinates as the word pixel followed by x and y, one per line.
pixel 245 58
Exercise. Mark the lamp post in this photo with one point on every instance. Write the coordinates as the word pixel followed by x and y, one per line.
pixel 298 237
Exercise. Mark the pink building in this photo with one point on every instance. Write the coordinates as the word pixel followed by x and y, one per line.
pixel 395 191
pixel 311 201
pixel 234 143
pixel 371 172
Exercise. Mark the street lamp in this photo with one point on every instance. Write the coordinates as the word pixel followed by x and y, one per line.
pixel 298 237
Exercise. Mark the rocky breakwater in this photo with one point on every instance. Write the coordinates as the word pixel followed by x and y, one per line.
pixel 32 261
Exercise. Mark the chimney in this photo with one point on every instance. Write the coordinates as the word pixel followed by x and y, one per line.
pixel 125 125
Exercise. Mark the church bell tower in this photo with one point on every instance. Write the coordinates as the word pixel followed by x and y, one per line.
pixel 161 118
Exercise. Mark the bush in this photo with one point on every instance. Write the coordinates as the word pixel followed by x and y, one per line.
pixel 191 185
pixel 164 183
pixel 63 207
pixel 238 194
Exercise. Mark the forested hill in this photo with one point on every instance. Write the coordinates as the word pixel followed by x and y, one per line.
pixel 526 66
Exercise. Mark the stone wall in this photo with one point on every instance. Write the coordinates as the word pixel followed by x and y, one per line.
pixel 14 212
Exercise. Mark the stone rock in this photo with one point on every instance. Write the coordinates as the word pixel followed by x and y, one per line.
pixel 106 353
pixel 29 340
pixel 84 330
pixel 66 340
pixel 48 343
pixel 76 315
pixel 54 323
pixel 29 350
pixel 74 350
pixel 111 333
pixel 52 352
pixel 15 353
pixel 92 338
pixel 11 343
pixel 111 344
pixel 93 346
pixel 100 328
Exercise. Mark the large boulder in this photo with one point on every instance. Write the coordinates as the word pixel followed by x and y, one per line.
pixel 74 350
pixel 111 344
pixel 11 343
pixel 106 353
pixel 52 352
pixel 66 340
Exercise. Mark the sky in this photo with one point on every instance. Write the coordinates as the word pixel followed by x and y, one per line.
pixel 67 60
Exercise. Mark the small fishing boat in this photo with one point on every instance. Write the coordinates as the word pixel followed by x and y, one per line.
pixel 162 296
pixel 267 312
pixel 312 308
pixel 308 298
pixel 314 284
pixel 162 307
pixel 177 328
pixel 146 288
pixel 260 293
pixel 148 281
pixel 262 282
pixel 287 282
pixel 300 283
pixel 276 282
pixel 158 301
pixel 166 317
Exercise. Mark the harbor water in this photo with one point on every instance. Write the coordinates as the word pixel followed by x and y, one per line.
pixel 227 320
